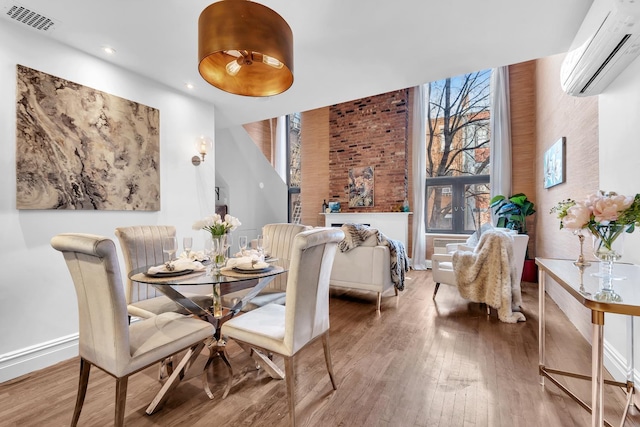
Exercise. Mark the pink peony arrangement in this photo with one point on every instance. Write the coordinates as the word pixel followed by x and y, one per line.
pixel 605 215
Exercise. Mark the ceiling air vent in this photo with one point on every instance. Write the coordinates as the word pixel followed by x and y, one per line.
pixel 29 17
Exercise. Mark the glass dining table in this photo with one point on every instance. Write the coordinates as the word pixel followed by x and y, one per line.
pixel 220 283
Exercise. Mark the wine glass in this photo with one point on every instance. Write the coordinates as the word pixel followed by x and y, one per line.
pixel 260 244
pixel 169 246
pixel 187 244
pixel 242 241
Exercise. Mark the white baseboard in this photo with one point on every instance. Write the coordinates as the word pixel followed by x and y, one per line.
pixel 30 359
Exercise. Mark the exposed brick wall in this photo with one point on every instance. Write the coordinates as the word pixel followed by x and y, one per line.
pixel 370 132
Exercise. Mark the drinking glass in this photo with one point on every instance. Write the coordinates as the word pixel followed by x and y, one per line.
pixel 187 244
pixel 260 244
pixel 169 246
pixel 242 241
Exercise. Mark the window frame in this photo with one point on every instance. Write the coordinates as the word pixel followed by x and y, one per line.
pixel 458 184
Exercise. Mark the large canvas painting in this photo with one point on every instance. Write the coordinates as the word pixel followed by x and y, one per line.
pixel 554 170
pixel 361 187
pixel 80 148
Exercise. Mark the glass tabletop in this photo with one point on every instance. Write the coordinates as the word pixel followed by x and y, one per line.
pixel 202 277
pixel 584 285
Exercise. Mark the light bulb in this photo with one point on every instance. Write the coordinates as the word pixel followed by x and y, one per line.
pixel 272 62
pixel 233 68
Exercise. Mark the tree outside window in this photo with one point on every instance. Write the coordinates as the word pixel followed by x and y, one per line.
pixel 458 156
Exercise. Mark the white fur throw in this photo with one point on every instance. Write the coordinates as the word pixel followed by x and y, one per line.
pixel 488 275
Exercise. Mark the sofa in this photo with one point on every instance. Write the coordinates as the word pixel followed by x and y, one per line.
pixel 365 268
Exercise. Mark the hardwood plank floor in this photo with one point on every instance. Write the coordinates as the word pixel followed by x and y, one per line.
pixel 418 363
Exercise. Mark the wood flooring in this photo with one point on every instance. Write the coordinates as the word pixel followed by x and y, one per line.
pixel 418 363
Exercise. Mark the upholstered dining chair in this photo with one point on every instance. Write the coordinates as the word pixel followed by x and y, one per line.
pixel 280 237
pixel 106 338
pixel 285 330
pixel 141 246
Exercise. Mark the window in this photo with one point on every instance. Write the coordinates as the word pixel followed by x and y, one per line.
pixel 458 156
pixel 294 177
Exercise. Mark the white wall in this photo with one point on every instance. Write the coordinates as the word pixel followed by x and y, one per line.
pixel 38 309
pixel 250 186
pixel 619 142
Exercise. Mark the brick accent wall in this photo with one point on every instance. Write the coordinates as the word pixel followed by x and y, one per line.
pixel 370 132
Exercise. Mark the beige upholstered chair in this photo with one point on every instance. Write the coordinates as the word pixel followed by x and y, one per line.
pixel 280 242
pixel 285 330
pixel 442 267
pixel 142 245
pixel 106 338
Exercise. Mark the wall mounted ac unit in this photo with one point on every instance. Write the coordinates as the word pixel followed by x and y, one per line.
pixel 608 40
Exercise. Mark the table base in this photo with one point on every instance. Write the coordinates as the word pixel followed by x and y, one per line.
pixel 551 375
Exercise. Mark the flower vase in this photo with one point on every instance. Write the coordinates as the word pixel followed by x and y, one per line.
pixel 608 243
pixel 219 251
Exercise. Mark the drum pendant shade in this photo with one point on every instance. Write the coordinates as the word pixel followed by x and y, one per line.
pixel 245 48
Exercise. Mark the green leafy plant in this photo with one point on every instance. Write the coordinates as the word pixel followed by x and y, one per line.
pixel 512 211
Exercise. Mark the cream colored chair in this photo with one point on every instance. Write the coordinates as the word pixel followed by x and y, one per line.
pixel 286 330
pixel 141 246
pixel 106 338
pixel 442 267
pixel 280 242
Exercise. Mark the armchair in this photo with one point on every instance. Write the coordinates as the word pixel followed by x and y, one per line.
pixel 442 264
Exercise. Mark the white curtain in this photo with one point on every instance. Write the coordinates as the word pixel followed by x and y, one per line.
pixel 419 176
pixel 500 128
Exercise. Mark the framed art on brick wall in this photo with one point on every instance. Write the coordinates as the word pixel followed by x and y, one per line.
pixel 361 186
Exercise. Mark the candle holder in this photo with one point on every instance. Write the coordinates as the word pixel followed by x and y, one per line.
pixel 580 262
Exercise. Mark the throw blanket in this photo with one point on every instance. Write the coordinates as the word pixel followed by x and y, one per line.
pixel 488 275
pixel 356 234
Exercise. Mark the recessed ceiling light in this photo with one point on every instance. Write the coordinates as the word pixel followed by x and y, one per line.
pixel 189 85
pixel 109 50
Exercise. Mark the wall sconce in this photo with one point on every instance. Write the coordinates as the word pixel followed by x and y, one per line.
pixel 203 145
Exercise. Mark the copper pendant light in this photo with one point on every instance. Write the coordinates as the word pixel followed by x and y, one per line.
pixel 245 48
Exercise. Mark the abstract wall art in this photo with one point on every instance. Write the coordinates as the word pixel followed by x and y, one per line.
pixel 361 187
pixel 80 148
pixel 554 170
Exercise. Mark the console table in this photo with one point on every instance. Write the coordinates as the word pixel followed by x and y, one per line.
pixel 582 285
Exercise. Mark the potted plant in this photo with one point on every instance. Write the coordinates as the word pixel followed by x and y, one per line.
pixel 512 213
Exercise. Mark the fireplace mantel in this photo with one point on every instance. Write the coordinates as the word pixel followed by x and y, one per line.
pixel 394 225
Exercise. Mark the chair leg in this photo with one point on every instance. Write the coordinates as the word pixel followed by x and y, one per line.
pixel 435 290
pixel 121 400
pixel 379 301
pixel 396 289
pixel 327 358
pixel 85 368
pixel 290 380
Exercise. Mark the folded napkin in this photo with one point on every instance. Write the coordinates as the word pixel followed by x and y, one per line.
pixel 246 263
pixel 251 253
pixel 179 264
pixel 195 256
